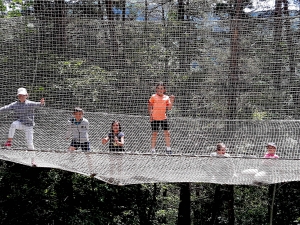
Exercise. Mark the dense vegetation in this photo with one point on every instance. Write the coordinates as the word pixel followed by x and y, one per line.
pixel 48 196
pixel 83 53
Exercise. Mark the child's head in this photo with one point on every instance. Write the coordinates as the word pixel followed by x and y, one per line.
pixel 116 126
pixel 221 149
pixel 22 94
pixel 160 88
pixel 271 147
pixel 78 113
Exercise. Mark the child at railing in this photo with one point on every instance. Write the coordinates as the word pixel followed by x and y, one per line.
pixel 78 127
pixel 220 151
pixel 115 137
pixel 223 169
pixel 271 151
pixel 157 106
pixel 268 167
pixel 24 112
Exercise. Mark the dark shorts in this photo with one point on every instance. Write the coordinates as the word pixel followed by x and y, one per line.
pixel 116 148
pixel 85 146
pixel 156 123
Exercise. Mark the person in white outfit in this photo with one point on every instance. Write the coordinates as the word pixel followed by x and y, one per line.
pixel 24 113
pixel 220 151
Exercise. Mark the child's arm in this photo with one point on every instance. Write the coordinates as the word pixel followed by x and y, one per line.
pixel 7 107
pixel 105 140
pixel 172 99
pixel 120 143
pixel 41 103
pixel 150 108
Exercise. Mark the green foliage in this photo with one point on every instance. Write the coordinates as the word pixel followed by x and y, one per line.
pixel 142 54
pixel 172 15
pixel 15 8
pixel 251 205
pixel 2 8
pixel 259 115
pixel 14 13
pixel 46 196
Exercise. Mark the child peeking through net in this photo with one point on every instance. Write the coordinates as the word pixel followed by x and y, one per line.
pixel 271 151
pixel 223 169
pixel 267 168
pixel 220 151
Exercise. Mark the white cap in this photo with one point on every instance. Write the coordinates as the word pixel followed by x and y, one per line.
pixel 271 144
pixel 22 91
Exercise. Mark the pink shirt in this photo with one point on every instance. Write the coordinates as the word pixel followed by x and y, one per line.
pixel 271 156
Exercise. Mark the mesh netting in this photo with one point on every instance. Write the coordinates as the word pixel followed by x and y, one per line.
pixel 235 77
pixel 192 142
pixel 129 168
pixel 243 138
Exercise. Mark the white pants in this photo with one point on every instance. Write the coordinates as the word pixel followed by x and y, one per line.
pixel 28 132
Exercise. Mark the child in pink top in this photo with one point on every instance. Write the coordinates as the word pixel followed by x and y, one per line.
pixel 267 168
pixel 158 104
pixel 271 151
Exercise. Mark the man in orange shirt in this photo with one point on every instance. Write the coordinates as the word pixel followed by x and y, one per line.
pixel 157 107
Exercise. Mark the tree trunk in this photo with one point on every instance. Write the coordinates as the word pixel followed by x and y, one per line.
pixel 291 56
pixel 271 209
pixel 59 32
pixel 142 207
pixel 123 3
pixel 276 63
pixel 153 205
pixel 115 56
pixel 146 11
pixel 180 14
pixel 230 195
pixel 216 204
pixel 234 61
pixel 184 211
pixel 65 197
pixel 197 211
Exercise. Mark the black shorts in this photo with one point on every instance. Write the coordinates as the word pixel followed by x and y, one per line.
pixel 85 146
pixel 113 148
pixel 156 123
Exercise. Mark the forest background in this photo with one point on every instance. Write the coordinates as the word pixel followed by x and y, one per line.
pixel 49 196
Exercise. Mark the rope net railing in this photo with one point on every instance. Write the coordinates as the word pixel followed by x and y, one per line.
pixel 192 142
pixel 234 75
pixel 130 168
pixel 189 136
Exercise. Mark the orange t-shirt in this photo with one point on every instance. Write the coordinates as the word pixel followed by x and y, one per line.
pixel 159 106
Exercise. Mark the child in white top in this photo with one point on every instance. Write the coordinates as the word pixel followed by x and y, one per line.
pixel 24 113
pixel 221 151
pixel 78 128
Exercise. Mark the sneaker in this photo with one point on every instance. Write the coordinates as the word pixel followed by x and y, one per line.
pixel 169 152
pixel 7 145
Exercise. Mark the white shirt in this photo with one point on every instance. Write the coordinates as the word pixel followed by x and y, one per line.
pixel 215 154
